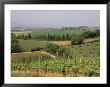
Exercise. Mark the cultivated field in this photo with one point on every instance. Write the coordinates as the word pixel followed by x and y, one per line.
pixel 56 53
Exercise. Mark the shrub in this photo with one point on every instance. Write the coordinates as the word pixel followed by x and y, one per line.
pixel 91 34
pixel 51 48
pixel 97 33
pixel 15 47
pixel 87 34
pixel 61 51
pixel 64 52
pixel 90 72
pixel 77 39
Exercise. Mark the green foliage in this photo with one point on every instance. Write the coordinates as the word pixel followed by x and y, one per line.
pixel 58 34
pixel 77 39
pixel 28 45
pixel 50 35
pixel 15 47
pixel 90 72
pixel 97 33
pixel 64 52
pixel 82 50
pixel 61 51
pixel 71 58
pixel 87 34
pixel 75 65
pixel 29 36
pixel 52 48
pixel 58 51
pixel 91 34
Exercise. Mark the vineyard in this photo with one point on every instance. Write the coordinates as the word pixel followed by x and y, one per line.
pixel 83 65
pixel 56 53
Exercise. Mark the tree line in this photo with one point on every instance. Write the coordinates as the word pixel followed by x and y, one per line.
pixel 59 37
pixel 49 37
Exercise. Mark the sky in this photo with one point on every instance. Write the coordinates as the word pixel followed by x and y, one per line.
pixel 55 18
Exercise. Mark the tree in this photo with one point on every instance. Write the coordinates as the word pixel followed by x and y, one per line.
pixel 52 48
pixel 87 34
pixel 15 47
pixel 91 34
pixel 97 33
pixel 77 39
pixel 29 36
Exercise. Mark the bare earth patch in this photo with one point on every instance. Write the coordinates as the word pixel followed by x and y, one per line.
pixel 43 73
pixel 61 43
pixel 68 43
pixel 30 54
pixel 21 33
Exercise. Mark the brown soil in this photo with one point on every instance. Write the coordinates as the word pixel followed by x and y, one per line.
pixel 43 73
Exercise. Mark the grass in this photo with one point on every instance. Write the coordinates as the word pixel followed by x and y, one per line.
pixel 85 50
pixel 27 45
pixel 91 40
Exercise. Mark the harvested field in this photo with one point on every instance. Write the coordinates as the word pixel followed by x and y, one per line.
pixel 18 33
pixel 31 54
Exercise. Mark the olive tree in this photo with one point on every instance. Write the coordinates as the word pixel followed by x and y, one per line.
pixel 77 39
pixel 52 48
